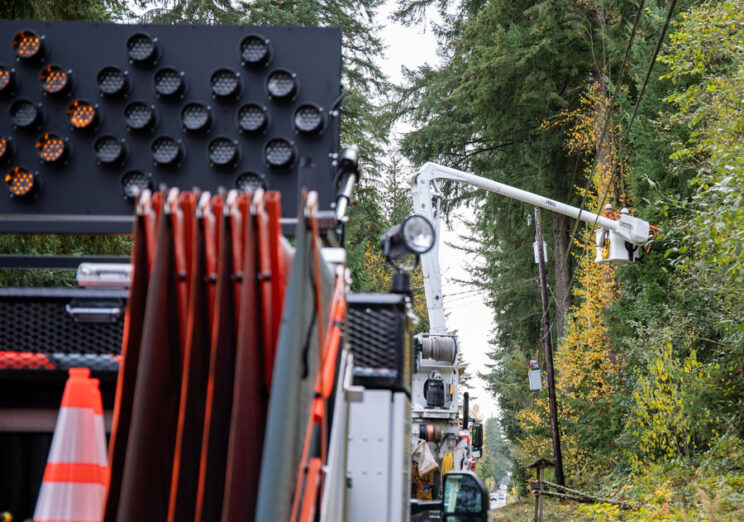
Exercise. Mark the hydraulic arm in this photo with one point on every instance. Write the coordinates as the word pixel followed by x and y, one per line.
pixel 617 239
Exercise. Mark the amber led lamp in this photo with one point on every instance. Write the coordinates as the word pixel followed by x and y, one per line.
pixel 6 150
pixel 21 183
pixel 51 148
pixel 55 80
pixel 6 80
pixel 82 115
pixel 28 45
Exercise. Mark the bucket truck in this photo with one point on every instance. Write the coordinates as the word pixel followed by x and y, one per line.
pixel 434 394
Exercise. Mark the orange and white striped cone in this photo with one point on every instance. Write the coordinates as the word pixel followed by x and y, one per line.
pixel 76 473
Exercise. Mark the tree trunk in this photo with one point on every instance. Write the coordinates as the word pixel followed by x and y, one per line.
pixel 562 265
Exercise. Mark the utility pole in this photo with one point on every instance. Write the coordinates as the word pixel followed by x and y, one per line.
pixel 548 346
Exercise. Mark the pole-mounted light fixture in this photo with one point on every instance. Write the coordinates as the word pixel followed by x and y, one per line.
pixel 413 237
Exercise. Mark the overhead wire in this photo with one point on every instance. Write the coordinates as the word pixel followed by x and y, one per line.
pixel 621 73
pixel 641 93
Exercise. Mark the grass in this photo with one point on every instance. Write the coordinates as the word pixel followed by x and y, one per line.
pixel 524 509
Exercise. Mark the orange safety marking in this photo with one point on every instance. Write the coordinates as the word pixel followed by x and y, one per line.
pixel 10 360
pixel 311 491
pixel 187 204
pixel 77 392
pixel 75 472
pixel 272 200
pixel 236 237
pixel 212 217
pixel 181 275
pixel 265 282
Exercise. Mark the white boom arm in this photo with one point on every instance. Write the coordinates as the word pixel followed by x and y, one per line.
pixel 633 230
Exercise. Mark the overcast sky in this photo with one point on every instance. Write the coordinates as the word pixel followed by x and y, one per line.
pixel 466 312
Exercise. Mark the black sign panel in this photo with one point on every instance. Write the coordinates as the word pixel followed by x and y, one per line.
pixel 90 113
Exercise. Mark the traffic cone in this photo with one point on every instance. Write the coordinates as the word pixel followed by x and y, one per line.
pixel 76 473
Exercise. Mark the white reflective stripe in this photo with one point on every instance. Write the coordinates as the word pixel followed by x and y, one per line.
pixel 69 501
pixel 77 438
pixel 101 440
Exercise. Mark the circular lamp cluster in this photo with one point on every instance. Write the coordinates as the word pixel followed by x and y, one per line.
pixel 195 117
pixel 225 83
pixel 308 119
pixel 110 150
pixel 255 51
pixel 252 118
pixel 223 152
pixel 168 83
pixel 82 115
pixel 281 85
pixel 139 116
pixel 279 153
pixel 28 45
pixel 6 80
pixel 249 181
pixel 112 81
pixel 142 49
pixel 6 149
pixel 51 149
pixel 22 183
pixel 55 80
pixel 24 114
pixel 135 181
pixel 166 152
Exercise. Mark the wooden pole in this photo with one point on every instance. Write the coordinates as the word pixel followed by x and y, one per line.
pixel 537 496
pixel 540 472
pixel 548 346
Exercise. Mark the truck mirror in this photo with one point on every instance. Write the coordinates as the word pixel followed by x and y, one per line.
pixel 477 431
pixel 465 498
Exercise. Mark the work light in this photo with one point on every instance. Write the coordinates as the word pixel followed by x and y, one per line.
pixel 414 236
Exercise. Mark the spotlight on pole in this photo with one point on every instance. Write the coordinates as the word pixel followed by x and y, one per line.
pixel 413 237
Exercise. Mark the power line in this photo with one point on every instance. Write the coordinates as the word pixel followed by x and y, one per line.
pixel 602 135
pixel 618 158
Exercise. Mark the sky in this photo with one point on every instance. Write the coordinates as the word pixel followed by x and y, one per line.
pixel 466 312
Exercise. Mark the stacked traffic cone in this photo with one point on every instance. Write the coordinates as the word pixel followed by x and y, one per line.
pixel 76 473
